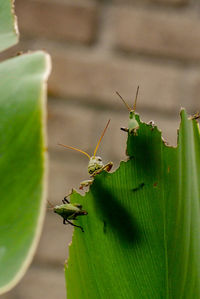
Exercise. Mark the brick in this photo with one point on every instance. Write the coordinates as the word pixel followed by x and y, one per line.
pixel 158 33
pixel 65 174
pixel 166 2
pixel 58 20
pixel 40 282
pixel 70 124
pixel 195 79
pixel 175 2
pixel 9 295
pixel 95 79
pixel 86 76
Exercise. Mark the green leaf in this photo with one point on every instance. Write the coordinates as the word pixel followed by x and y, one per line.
pixel 22 162
pixel 8 26
pixel 142 231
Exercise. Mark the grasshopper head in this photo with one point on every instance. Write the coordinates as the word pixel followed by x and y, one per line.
pixel 94 164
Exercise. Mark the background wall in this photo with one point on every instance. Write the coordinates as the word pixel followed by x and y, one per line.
pixel 99 47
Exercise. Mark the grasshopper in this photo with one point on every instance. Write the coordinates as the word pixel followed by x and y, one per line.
pixel 132 124
pixel 69 211
pixel 95 165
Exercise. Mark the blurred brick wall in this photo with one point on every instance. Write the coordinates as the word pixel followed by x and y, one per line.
pixel 99 47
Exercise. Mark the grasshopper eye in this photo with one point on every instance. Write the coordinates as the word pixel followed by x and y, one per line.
pixel 99 159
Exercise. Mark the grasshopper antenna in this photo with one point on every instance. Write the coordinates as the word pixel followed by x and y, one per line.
pixel 74 148
pixel 135 101
pixel 127 106
pixel 95 151
pixel 51 205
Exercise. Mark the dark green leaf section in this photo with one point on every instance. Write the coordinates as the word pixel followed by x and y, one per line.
pixel 142 237
pixel 22 157
pixel 8 26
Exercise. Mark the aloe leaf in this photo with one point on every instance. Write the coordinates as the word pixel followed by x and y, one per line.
pixel 142 231
pixel 22 162
pixel 8 26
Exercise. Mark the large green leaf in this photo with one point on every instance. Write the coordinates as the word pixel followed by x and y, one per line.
pixel 22 162
pixel 142 231
pixel 8 27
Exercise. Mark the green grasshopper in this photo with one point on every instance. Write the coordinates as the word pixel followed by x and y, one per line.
pixel 95 165
pixel 69 211
pixel 132 124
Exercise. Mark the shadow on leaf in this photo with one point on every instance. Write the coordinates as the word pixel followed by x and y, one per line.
pixel 115 215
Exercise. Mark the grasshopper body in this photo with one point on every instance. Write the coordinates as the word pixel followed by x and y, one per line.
pixel 69 211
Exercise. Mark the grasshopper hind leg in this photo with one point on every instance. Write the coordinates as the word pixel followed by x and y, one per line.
pixel 69 222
